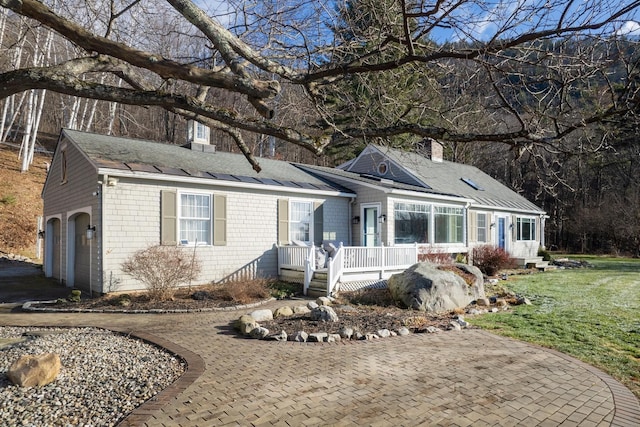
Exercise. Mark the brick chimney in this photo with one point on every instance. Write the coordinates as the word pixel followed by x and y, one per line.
pixel 433 149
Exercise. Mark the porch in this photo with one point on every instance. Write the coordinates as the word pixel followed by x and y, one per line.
pixel 348 267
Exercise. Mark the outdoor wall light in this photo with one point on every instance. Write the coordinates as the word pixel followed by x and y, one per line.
pixel 493 224
pixel 41 234
pixel 383 218
pixel 90 232
pixel 355 220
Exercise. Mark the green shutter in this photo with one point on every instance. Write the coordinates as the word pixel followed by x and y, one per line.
pixel 318 222
pixel 219 220
pixel 283 221
pixel 169 218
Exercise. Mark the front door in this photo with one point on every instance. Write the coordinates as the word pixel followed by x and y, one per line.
pixel 502 229
pixel 371 235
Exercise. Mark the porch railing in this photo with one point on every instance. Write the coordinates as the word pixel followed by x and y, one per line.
pixel 347 259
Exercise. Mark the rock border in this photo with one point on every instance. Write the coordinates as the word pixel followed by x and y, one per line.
pixel 27 306
pixel 248 325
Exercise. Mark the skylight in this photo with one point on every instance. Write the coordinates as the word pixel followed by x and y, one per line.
pixel 472 184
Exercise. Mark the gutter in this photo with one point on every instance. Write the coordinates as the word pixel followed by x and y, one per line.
pixel 220 183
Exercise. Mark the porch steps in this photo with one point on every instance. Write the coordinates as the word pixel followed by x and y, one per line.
pixel 534 262
pixel 318 284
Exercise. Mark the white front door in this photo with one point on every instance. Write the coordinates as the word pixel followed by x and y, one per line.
pixel 370 227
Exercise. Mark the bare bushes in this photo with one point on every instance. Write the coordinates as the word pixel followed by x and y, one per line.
pixel 491 259
pixel 162 269
pixel 242 291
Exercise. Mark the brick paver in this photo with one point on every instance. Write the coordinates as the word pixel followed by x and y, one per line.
pixel 450 379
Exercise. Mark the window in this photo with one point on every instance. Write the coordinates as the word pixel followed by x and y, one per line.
pixel 526 228
pixel 411 222
pixel 383 168
pixel 195 219
pixel 63 166
pixel 449 223
pixel 201 131
pixel 301 220
pixel 481 227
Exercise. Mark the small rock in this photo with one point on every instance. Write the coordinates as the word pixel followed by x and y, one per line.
pixel 403 331
pixel 323 301
pixel 523 300
pixel 393 333
pixel 455 326
pixel 483 302
pixel 285 311
pixel 324 314
pixel 474 311
pixel 262 315
pixel 318 337
pixel 245 324
pixel 383 333
pixel 433 330
pixel 334 338
pixel 346 332
pixel 259 333
pixel 370 337
pixel 311 305
pixel 494 310
pixel 358 336
pixel 282 336
pixel 501 302
pixel 34 370
pixel 300 336
pixel 301 309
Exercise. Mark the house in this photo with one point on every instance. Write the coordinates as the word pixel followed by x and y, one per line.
pixel 106 197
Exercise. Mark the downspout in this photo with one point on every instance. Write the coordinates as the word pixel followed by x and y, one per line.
pixel 350 221
pixel 101 236
pixel 467 242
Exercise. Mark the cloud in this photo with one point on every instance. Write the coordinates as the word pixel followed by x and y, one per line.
pixel 629 28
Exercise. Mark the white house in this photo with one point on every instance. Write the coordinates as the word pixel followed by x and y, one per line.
pixel 107 197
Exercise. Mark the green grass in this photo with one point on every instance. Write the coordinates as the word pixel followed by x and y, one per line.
pixel 592 314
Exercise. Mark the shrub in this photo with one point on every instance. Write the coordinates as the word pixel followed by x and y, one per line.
pixel 162 269
pixel 241 291
pixel 490 259
pixel 545 254
pixel 434 255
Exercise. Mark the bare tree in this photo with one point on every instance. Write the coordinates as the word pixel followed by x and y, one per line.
pixel 542 65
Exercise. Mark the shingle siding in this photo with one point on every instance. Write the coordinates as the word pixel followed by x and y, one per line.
pixel 132 221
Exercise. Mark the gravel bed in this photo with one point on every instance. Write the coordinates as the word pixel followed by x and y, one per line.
pixel 104 376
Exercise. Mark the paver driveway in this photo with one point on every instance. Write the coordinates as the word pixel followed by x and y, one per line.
pixel 450 379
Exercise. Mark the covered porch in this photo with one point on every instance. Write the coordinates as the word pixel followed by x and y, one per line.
pixel 348 267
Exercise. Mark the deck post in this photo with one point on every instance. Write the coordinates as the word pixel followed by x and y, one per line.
pixel 309 267
pixel 383 259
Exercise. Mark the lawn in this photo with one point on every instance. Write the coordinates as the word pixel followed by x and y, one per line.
pixel 592 314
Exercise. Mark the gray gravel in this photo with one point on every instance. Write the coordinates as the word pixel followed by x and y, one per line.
pixel 104 376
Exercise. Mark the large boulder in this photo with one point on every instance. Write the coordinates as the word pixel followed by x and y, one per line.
pixel 34 370
pixel 429 287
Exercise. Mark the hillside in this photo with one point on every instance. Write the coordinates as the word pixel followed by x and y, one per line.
pixel 20 202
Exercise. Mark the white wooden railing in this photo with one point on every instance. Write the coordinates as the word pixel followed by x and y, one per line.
pixel 351 260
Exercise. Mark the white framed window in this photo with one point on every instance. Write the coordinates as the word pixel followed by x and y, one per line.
pixel 525 229
pixel 411 222
pixel 201 131
pixel 482 227
pixel 301 220
pixel 194 219
pixel 449 224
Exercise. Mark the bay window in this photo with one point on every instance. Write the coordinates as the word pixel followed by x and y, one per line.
pixel 411 222
pixel 449 224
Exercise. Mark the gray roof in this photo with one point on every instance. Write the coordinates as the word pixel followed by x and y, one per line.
pixel 136 155
pixel 448 177
pixel 371 179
